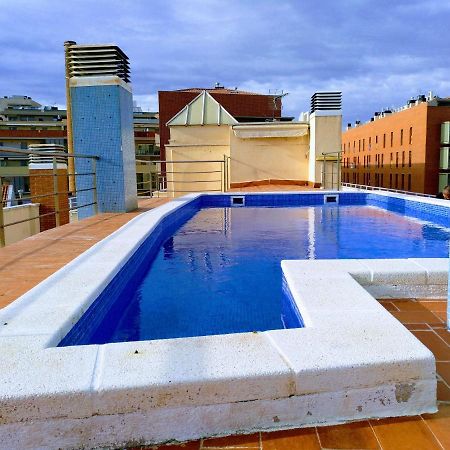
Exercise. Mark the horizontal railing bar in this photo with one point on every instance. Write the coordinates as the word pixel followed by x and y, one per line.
pixel 77 207
pixel 60 174
pixel 201 171
pixel 173 162
pixel 193 181
pixel 27 220
pixel 379 188
pixel 41 153
pixel 208 190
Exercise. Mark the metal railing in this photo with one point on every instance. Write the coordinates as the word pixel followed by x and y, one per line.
pixel 53 159
pixel 378 188
pixel 334 162
pixel 172 178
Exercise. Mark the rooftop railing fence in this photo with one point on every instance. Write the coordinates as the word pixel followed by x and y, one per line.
pixel 383 189
pixel 172 178
pixel 51 159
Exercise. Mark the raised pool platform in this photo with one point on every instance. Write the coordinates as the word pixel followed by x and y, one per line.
pixel 340 367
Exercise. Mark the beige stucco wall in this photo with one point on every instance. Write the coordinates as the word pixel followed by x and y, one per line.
pixel 269 158
pixel 326 136
pixel 23 230
pixel 196 143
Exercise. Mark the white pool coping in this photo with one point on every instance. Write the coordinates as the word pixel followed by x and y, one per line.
pixel 352 361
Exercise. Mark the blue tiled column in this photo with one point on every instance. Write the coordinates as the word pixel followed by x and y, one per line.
pixel 102 118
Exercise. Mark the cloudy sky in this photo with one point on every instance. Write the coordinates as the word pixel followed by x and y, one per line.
pixel 379 53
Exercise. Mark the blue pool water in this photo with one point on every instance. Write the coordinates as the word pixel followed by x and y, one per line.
pixel 220 271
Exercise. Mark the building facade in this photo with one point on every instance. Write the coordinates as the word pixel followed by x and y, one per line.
pixel 243 106
pixel 403 149
pixel 261 152
pixel 25 122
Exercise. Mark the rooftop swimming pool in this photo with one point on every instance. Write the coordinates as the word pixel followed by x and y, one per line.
pixel 199 266
pixel 214 269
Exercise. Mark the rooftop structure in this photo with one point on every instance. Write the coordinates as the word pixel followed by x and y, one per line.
pixel 97 61
pixel 242 105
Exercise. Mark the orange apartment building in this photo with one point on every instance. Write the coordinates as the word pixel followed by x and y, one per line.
pixel 407 149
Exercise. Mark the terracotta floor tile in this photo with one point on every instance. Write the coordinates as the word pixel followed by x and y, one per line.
pixel 408 305
pixel 358 435
pixel 441 315
pixel 417 326
pixel 424 316
pixel 439 348
pixel 302 439
pixel 434 305
pixel 443 392
pixel 388 305
pixel 443 369
pixel 410 433
pixel 440 425
pixel 439 326
pixel 241 441
pixel 444 334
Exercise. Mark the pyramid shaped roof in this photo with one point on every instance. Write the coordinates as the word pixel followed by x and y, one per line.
pixel 203 110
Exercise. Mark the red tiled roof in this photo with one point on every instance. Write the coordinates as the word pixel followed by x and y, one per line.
pixel 220 90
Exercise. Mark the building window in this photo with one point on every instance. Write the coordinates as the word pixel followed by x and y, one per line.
pixel 384 140
pixel 396 181
pixel 396 159
pixel 410 135
pixel 364 145
pixel 359 145
pixel 403 159
pixel 370 143
pixel 382 180
pixel 409 158
pixel 390 180
pixel 376 139
pixel 392 138
pixel 403 181
pixel 382 160
pixel 401 136
pixel 409 182
pixel 392 159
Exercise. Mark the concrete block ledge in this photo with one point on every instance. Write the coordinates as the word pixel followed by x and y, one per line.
pixel 351 361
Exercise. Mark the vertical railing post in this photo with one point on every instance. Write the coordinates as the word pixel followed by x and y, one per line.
pixel 228 172
pixel 55 191
pixel 94 185
pixel 2 221
pixel 225 181
pixel 332 175
pixel 339 171
pixel 151 178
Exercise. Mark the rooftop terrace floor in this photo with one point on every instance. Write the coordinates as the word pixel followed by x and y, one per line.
pixel 26 263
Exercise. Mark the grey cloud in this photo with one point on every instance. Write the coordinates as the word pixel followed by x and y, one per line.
pixel 379 53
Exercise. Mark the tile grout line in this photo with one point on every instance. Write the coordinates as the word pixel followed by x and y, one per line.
pixel 318 437
pixel 431 431
pixel 375 434
pixel 441 339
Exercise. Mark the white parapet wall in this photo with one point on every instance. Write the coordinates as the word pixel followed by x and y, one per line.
pixel 22 230
pixel 352 360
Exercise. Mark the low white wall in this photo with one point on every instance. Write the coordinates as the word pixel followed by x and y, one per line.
pixel 22 230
